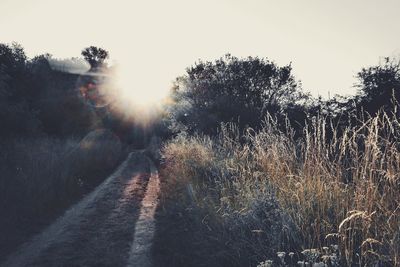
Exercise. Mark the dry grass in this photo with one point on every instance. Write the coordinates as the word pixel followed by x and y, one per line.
pixel 31 169
pixel 41 177
pixel 342 190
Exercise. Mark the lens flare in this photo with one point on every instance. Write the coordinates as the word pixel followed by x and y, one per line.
pixel 132 95
pixel 126 92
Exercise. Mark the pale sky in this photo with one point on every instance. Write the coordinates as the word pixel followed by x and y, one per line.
pixel 328 42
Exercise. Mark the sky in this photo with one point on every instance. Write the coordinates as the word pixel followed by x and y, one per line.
pixel 327 42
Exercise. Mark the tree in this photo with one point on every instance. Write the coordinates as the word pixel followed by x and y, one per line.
pixel 379 86
pixel 95 56
pixel 237 90
pixel 16 115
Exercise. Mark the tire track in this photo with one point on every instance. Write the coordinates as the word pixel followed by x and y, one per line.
pixel 140 254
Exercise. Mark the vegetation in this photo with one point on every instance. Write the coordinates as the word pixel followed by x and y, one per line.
pixel 236 90
pixel 286 192
pixel 40 177
pixel 254 170
pixel 45 163
pixel 274 193
pixel 95 56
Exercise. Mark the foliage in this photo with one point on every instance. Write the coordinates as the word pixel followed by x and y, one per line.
pixel 379 86
pixel 35 99
pixel 95 56
pixel 378 89
pixel 16 115
pixel 237 90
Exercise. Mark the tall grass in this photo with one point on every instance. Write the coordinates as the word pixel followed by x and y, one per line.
pixel 32 171
pixel 273 192
pixel 40 177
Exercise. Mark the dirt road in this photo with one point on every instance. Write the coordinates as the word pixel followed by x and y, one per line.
pixel 112 226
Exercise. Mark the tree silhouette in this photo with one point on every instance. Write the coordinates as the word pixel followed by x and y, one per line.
pixel 237 90
pixel 379 86
pixel 16 92
pixel 95 56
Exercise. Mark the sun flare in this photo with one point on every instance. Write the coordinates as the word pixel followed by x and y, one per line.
pixel 138 90
pixel 129 94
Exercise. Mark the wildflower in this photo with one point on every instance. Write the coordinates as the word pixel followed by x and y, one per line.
pixel 267 263
pixel 281 256
pixel 311 254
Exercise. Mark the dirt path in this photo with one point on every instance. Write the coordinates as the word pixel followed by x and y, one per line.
pixel 112 226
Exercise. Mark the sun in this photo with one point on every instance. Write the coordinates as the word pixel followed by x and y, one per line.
pixel 138 89
pixel 134 94
pixel 139 85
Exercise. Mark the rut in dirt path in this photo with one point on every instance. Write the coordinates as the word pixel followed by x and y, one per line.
pixel 140 254
pixel 112 226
